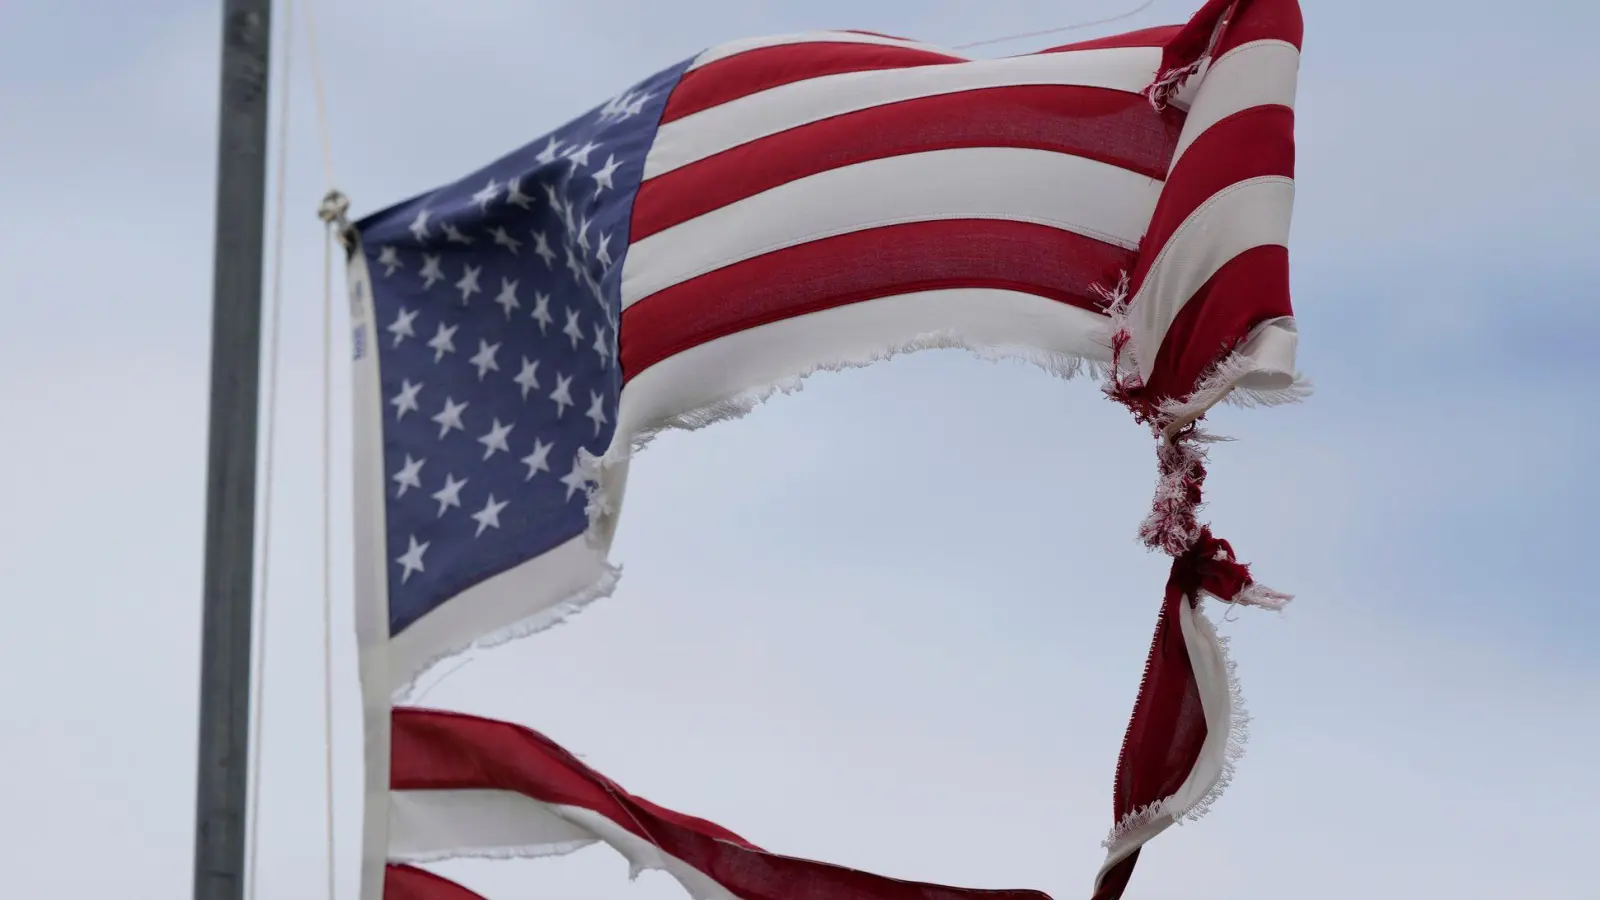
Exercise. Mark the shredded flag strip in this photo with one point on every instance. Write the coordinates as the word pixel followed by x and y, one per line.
pixel 516 790
pixel 768 209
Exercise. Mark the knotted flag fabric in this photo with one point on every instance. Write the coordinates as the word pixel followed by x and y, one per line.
pixel 778 206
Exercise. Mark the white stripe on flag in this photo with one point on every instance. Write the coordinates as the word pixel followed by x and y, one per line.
pixel 1213 764
pixel 1076 194
pixel 371 575
pixel 427 826
pixel 754 362
pixel 1250 213
pixel 521 600
pixel 438 825
pixel 757 115
pixel 1259 73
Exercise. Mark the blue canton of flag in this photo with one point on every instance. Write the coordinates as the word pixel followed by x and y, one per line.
pixel 497 300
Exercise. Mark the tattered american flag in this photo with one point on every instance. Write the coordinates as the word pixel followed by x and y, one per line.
pixel 764 210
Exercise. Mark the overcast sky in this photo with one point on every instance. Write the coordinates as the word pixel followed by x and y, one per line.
pixel 897 620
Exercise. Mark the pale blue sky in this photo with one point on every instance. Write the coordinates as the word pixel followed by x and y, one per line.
pixel 895 621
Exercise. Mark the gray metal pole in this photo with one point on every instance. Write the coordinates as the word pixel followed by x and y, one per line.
pixel 222 779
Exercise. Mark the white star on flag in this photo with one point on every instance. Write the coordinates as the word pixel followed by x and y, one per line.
pixel 443 342
pixel 495 441
pixel 550 153
pixel 562 395
pixel 406 400
pixel 541 311
pixel 468 285
pixel 411 561
pixel 431 271
pixel 539 460
pixel 419 226
pixel 503 238
pixel 515 196
pixel 597 412
pixel 528 378
pixel 541 247
pixel 389 258
pixel 486 195
pixel 450 494
pixel 572 329
pixel 575 480
pixel 450 417
pixel 484 359
pixel 507 298
pixel 602 176
pixel 401 327
pixel 489 516
pixel 409 475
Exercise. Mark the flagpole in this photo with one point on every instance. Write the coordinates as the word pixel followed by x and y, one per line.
pixel 224 732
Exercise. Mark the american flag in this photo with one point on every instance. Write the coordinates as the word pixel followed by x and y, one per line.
pixel 778 205
pixel 497 302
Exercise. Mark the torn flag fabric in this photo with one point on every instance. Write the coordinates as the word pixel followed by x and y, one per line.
pixel 779 206
pixel 468 786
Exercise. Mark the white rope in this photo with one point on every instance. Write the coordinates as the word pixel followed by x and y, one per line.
pixel 1030 34
pixel 259 655
pixel 323 132
pixel 332 211
pixel 336 220
pixel 274 368
pixel 327 547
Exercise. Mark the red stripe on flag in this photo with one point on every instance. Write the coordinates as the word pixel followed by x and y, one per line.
pixel 435 750
pixel 1114 127
pixel 1248 144
pixel 1248 290
pixel 863 265
pixel 1168 725
pixel 759 70
pixel 403 882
